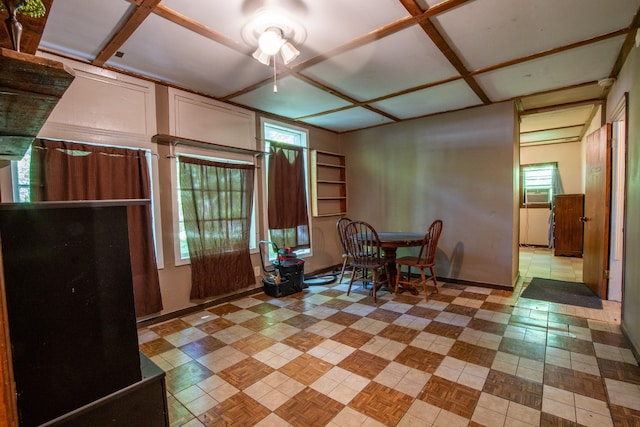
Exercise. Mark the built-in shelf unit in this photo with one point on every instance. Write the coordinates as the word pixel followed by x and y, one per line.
pixel 328 184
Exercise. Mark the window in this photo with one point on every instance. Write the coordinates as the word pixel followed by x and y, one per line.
pixel 21 177
pixel 283 134
pixel 537 185
pixel 21 181
pixel 182 248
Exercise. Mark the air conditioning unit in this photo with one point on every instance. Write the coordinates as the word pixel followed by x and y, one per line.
pixel 537 196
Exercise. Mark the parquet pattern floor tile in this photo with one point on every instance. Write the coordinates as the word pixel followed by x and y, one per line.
pixel 382 403
pixel 467 356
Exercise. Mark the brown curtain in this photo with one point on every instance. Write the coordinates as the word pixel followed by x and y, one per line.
pixel 217 200
pixel 63 170
pixel 288 220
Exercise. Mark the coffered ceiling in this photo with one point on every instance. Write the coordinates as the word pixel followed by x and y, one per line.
pixel 363 63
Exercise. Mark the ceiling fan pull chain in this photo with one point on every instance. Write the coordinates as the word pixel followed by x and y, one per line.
pixel 275 82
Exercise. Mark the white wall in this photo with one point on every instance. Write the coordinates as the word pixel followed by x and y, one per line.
pixel 629 81
pixel 458 167
pixel 534 222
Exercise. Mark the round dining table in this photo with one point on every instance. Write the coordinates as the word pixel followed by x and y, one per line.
pixel 390 241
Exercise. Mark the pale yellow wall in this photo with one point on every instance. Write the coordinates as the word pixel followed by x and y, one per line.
pixel 458 167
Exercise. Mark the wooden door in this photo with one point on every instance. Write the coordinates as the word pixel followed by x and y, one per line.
pixel 596 210
pixel 568 211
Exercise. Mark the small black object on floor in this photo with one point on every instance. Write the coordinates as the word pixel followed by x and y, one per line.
pixel 561 292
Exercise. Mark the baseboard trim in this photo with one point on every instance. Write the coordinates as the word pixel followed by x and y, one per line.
pixel 152 320
pixel 199 307
pixel 634 350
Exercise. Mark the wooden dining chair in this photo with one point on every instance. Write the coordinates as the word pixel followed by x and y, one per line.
pixel 341 225
pixel 365 253
pixel 425 260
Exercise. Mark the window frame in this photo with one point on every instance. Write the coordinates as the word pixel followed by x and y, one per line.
pixel 522 189
pixel 304 133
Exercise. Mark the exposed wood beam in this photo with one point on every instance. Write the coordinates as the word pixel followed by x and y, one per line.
pixel 196 27
pixel 552 129
pixel 595 101
pixel 550 52
pixel 377 34
pixel 142 10
pixel 435 36
pixel 551 141
pixel 626 46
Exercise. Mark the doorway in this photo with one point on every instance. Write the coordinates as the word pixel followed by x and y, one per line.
pixel 618 185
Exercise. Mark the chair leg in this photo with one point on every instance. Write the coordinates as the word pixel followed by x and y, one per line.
pixel 353 276
pixel 374 284
pixel 435 282
pixel 344 267
pixel 398 277
pixel 424 285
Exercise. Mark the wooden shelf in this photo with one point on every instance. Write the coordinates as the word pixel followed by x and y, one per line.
pixel 31 87
pixel 175 140
pixel 328 184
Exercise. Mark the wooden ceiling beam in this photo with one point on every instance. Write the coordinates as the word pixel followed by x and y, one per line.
pixel 196 27
pixel 142 10
pixel 430 29
pixel 550 51
pixel 626 46
pixel 594 101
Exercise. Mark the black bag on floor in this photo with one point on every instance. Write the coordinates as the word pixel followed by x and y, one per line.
pixel 286 275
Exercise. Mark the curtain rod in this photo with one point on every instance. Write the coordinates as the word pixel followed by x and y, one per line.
pixel 280 142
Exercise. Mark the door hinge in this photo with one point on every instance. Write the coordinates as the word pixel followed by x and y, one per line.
pixel 606 274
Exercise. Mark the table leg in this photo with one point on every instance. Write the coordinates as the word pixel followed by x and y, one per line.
pixel 390 256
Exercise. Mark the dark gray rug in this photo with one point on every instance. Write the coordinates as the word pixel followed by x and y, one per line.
pixel 558 291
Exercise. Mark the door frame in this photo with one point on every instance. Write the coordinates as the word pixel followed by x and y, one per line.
pixel 597 213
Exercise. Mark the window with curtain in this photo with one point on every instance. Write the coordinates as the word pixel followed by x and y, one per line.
pixel 217 201
pixel 63 171
pixel 538 184
pixel 181 246
pixel 288 218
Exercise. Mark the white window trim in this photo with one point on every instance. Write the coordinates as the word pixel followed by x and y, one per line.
pixel 305 150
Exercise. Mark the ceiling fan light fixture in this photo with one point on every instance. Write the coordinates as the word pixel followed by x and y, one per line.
pixel 288 52
pixel 262 57
pixel 271 41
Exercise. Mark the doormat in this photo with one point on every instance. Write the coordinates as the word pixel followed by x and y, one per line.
pixel 558 291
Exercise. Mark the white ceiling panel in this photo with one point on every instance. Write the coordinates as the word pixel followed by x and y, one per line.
pixel 187 59
pixel 73 27
pixel 580 65
pixel 516 28
pixel 291 100
pixel 555 119
pixel 447 97
pixel 355 56
pixel 345 120
pixel 379 68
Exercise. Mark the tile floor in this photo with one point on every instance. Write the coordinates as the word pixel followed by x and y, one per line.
pixel 469 356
